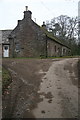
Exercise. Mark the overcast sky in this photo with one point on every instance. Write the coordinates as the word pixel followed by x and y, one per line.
pixel 42 10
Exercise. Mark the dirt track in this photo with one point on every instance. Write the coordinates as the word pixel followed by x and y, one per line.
pixel 42 88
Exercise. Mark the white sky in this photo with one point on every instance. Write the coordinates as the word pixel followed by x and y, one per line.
pixel 42 10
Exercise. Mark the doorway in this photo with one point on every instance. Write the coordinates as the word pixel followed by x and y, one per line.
pixel 6 51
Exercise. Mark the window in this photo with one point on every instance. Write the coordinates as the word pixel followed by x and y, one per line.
pixel 63 50
pixel 7 40
pixel 58 50
pixel 6 47
pixel 17 49
pixel 55 48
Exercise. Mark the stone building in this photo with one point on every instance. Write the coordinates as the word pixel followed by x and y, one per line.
pixel 4 41
pixel 30 40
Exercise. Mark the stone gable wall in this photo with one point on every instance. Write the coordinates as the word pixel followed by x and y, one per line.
pixel 30 39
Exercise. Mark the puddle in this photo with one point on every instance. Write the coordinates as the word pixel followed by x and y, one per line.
pixel 50 101
pixel 42 111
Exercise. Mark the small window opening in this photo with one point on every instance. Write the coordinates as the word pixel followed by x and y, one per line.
pixel 55 48
pixel 17 49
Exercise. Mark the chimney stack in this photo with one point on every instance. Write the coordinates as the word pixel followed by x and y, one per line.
pixel 19 21
pixel 27 13
pixel 44 26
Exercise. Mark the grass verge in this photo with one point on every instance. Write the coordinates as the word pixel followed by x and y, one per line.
pixel 43 57
pixel 6 79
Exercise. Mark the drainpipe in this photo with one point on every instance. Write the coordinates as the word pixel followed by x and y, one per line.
pixel 46 46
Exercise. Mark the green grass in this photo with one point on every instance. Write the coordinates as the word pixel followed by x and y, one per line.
pixel 6 79
pixel 64 57
pixel 43 57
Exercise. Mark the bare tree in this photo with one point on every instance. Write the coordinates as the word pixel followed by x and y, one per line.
pixel 65 28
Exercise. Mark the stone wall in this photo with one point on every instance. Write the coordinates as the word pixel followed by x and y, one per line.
pixel 27 40
pixel 54 49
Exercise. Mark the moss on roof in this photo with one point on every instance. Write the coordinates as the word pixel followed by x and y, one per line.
pixel 49 35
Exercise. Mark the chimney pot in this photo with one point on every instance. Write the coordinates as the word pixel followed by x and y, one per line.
pixel 43 23
pixel 26 8
pixel 44 26
pixel 27 13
